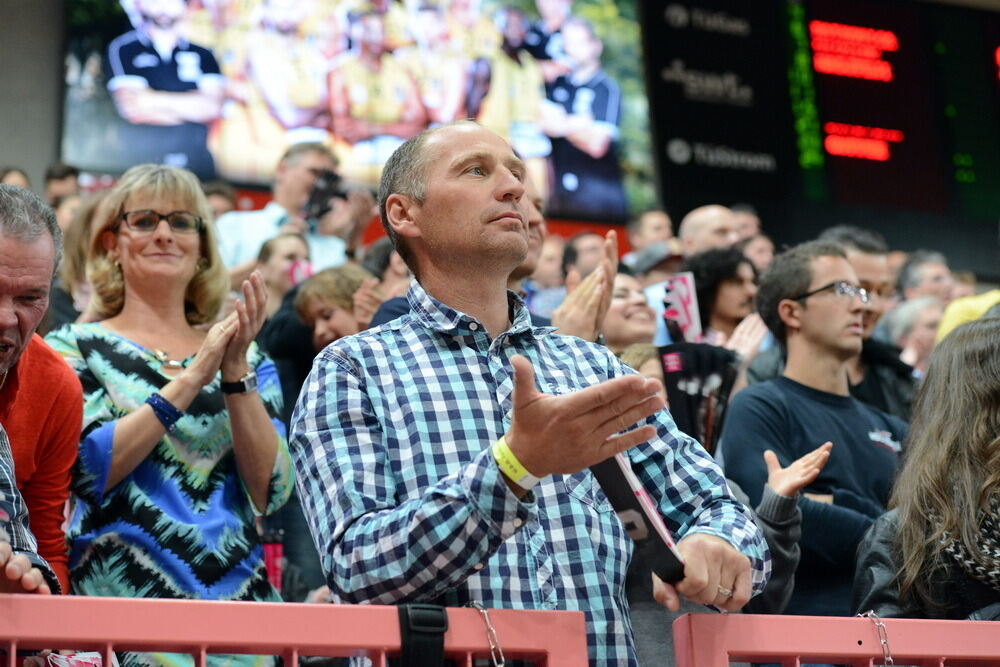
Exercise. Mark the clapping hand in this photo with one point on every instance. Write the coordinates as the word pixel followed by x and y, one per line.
pixel 225 346
pixel 367 300
pixel 250 314
pixel 798 474
pixel 587 301
pixel 747 337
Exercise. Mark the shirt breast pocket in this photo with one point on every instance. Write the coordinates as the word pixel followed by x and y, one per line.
pixel 584 487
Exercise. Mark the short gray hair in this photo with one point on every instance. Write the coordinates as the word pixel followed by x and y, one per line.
pixel 25 217
pixel 405 173
pixel 909 273
pixel 900 320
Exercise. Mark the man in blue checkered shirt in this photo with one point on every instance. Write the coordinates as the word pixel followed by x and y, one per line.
pixel 444 455
pixel 22 570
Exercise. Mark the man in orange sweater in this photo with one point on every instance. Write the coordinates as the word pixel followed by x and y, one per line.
pixel 41 402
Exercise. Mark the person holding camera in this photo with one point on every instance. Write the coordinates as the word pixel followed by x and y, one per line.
pixel 306 174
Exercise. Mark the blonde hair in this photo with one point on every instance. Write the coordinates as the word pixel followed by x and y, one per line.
pixel 637 354
pixel 208 287
pixel 76 242
pixel 336 286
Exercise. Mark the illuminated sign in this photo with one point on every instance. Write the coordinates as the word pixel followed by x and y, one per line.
pixel 859 141
pixel 852 51
pixel 802 92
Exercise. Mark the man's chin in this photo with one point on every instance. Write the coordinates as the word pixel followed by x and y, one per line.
pixel 8 359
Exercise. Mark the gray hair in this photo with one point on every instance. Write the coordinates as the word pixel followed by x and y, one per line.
pixel 900 320
pixel 909 273
pixel 25 217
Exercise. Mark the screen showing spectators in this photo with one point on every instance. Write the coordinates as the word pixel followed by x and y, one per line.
pixel 223 87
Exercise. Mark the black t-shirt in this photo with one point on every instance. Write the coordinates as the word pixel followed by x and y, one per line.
pixel 585 187
pixel 133 60
pixel 792 420
pixel 542 44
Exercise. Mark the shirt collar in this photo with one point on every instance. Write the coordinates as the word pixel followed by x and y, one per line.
pixel 440 317
pixel 144 39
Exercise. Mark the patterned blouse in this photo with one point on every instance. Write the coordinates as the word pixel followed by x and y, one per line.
pixel 181 525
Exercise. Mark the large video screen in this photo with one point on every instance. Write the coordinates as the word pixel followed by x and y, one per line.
pixel 224 87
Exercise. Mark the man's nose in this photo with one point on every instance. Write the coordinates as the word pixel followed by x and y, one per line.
pixel 8 315
pixel 511 187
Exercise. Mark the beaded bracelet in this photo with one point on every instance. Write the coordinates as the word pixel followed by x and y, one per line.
pixel 165 411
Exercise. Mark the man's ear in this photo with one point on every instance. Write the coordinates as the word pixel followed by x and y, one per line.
pixel 400 212
pixel 790 313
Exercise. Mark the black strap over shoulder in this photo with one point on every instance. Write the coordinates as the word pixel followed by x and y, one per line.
pixel 422 628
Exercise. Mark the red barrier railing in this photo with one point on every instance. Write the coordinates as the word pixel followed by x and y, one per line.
pixel 32 622
pixel 713 640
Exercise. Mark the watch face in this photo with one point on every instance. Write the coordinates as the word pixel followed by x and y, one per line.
pixel 244 385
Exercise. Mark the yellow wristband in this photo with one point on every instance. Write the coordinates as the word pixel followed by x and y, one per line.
pixel 510 466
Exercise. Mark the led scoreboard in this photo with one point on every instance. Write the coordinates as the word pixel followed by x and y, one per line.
pixel 881 113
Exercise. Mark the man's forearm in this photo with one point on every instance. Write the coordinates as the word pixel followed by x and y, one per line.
pixel 421 548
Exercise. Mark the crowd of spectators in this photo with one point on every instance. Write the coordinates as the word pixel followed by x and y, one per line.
pixel 414 418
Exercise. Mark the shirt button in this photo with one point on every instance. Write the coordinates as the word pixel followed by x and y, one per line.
pixel 518 523
pixel 474 326
pixel 478 566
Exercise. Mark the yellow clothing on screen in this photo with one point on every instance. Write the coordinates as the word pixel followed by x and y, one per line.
pixel 515 95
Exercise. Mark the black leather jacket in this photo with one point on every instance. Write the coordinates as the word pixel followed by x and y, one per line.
pixel 875 585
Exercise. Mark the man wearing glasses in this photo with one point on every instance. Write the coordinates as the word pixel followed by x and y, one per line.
pixel 811 301
pixel 876 376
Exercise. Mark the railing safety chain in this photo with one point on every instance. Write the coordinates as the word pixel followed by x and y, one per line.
pixel 883 636
pixel 496 653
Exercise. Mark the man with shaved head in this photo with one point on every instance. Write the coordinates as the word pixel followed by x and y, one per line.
pixel 708 227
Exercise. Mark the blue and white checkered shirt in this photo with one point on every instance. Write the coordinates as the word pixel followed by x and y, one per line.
pixel 14 516
pixel 392 440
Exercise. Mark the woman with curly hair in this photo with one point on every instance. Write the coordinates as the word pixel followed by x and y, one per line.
pixel 936 554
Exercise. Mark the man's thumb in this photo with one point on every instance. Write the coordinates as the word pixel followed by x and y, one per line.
pixel 771 461
pixel 524 379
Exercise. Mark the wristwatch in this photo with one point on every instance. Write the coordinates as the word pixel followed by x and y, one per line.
pixel 244 385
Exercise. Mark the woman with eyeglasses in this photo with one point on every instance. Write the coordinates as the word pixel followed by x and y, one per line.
pixel 182 442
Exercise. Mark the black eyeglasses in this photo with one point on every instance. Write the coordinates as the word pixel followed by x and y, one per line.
pixel 145 221
pixel 843 289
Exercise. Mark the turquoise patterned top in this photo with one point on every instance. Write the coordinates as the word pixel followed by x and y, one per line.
pixel 181 525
